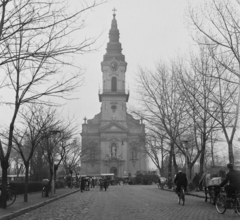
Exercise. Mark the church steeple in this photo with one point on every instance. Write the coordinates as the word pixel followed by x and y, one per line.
pixel 114 69
pixel 114 47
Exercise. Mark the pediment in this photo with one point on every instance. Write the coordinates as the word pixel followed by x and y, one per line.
pixel 113 127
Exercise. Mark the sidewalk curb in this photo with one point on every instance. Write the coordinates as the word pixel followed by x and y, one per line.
pixel 30 208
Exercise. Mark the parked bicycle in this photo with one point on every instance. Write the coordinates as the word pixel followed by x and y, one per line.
pixel 11 195
pixel 46 188
pixel 223 203
pixel 181 196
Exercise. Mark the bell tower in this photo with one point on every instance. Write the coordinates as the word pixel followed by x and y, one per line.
pixel 113 94
pixel 113 140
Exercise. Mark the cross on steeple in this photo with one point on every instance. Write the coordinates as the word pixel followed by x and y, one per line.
pixel 114 12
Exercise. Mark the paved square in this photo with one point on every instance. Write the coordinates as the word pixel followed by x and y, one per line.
pixel 128 202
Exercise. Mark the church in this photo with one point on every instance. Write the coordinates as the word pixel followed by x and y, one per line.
pixel 113 141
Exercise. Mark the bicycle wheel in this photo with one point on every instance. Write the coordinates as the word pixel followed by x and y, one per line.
pixel 221 204
pixel 238 205
pixel 11 197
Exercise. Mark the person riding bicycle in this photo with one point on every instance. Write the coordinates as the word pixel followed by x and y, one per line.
pixel 180 180
pixel 233 177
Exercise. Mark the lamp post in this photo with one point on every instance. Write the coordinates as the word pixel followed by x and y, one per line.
pixel 185 142
pixel 54 134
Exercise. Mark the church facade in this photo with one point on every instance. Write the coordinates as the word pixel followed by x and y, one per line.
pixel 113 141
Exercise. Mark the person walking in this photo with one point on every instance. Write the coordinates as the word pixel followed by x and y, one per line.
pixel 82 184
pixel 105 183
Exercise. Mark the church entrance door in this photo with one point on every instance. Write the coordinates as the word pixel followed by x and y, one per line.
pixel 113 170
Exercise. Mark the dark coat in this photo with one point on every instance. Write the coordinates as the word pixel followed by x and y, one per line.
pixel 181 178
pixel 233 177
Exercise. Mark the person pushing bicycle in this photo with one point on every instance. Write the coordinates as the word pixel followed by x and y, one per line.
pixel 181 180
pixel 233 177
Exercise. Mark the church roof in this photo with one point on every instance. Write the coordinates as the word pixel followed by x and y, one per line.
pixel 114 47
pixel 113 127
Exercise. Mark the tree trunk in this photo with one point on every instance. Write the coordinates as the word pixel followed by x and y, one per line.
pixel 55 176
pixel 170 165
pixel 190 166
pixel 202 157
pixel 170 162
pixel 162 163
pixel 160 170
pixel 212 144
pixel 230 152
pixel 175 164
pixel 26 182
pixel 3 200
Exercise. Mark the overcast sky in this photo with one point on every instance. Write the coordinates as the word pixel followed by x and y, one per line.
pixel 150 31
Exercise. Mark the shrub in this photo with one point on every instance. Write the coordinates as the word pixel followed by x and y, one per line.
pixel 60 184
pixel 18 187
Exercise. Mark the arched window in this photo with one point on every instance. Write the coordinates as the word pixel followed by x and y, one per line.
pixel 114 84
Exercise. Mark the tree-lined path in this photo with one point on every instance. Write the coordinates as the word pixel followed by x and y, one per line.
pixel 129 203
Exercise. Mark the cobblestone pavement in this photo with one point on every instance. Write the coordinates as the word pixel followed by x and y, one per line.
pixel 129 203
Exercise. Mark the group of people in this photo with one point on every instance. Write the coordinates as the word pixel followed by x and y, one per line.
pixel 231 182
pixel 87 182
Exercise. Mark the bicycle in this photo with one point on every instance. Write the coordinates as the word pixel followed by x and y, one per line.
pixel 47 188
pixel 222 203
pixel 181 195
pixel 11 195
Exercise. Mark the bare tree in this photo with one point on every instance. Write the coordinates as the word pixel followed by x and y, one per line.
pixel 35 45
pixel 197 86
pixel 36 121
pixel 218 22
pixel 164 107
pixel 57 144
pixel 154 150
pixel 15 158
pixel 72 158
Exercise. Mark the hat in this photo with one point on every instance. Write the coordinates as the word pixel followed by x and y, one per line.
pixel 230 166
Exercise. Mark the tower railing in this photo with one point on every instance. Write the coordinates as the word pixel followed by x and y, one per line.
pixel 109 91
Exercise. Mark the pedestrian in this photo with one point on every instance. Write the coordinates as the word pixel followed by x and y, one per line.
pixel 93 183
pixel 105 183
pixel 100 184
pixel 88 183
pixel 204 182
pixel 82 184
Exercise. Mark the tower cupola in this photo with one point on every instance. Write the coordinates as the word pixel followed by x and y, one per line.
pixel 114 47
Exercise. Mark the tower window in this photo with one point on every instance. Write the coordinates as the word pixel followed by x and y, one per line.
pixel 114 84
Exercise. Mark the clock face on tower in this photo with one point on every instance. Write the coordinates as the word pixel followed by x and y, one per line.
pixel 113 66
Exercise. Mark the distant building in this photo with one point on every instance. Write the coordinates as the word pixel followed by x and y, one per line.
pixel 113 140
